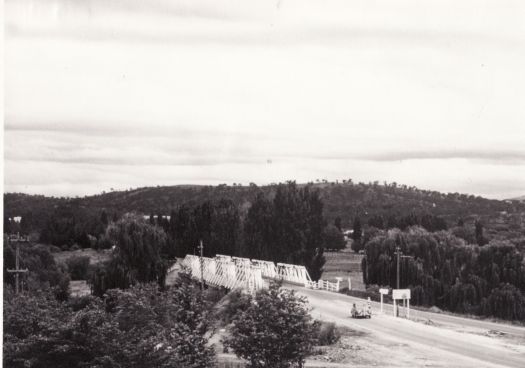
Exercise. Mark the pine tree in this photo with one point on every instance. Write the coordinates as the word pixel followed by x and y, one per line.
pixel 479 233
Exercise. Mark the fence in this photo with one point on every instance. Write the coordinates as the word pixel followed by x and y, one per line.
pixel 324 285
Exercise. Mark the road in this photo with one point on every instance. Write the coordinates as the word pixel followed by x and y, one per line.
pixel 458 341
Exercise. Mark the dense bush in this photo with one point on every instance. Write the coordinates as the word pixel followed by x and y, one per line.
pixel 43 271
pixel 333 238
pixel 443 270
pixel 275 330
pixel 287 227
pixel 236 301
pixel 136 258
pixel 139 327
pixel 78 267
pixel 328 334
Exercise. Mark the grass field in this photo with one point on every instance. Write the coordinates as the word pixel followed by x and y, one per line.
pixel 95 257
pixel 345 264
pixel 81 287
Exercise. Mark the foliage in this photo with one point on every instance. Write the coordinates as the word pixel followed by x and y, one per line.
pixel 333 238
pixel 78 267
pixel 358 230
pixel 275 330
pixel 328 334
pixel 136 257
pixel 341 199
pixel 287 228
pixel 234 302
pixel 480 239
pixel 68 223
pixel 443 270
pixel 216 223
pixel 139 327
pixel 43 271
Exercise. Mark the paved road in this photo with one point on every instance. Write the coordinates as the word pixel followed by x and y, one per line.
pixel 482 351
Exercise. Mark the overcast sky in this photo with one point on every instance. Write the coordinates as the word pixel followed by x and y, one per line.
pixel 104 94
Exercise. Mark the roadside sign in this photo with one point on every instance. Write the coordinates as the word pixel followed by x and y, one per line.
pixel 383 291
pixel 401 294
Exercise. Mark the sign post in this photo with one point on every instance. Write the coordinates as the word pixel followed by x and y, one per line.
pixel 401 294
pixel 383 292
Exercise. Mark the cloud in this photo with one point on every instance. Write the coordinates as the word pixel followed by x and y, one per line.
pixel 124 93
pixel 509 156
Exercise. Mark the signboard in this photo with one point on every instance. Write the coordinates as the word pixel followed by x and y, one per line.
pixel 401 294
pixel 383 291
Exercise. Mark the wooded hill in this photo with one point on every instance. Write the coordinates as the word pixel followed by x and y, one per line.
pixel 341 199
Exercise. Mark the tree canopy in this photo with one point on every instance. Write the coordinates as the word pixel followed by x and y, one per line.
pixel 274 330
pixel 136 256
pixel 445 271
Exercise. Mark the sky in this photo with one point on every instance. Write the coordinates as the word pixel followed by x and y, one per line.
pixel 120 94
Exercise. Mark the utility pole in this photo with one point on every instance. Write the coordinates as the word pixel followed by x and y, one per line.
pixel 17 271
pixel 201 248
pixel 398 254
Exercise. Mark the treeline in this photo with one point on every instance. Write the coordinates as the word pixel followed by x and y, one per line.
pixel 65 226
pixel 342 199
pixel 287 227
pixel 443 270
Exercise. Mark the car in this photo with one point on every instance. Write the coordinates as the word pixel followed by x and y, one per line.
pixel 364 312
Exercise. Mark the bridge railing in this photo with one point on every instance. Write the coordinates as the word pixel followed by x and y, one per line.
pixel 237 272
pixel 223 271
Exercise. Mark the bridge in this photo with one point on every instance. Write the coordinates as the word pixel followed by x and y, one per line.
pixel 249 274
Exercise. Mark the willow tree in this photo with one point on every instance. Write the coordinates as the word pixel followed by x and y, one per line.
pixel 136 257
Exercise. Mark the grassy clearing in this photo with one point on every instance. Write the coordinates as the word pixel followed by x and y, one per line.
pixel 79 288
pixel 95 257
pixel 344 264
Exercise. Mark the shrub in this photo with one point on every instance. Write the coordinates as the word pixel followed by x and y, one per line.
pixel 54 249
pixel 328 334
pixel 231 304
pixel 333 238
pixel 276 330
pixel 145 328
pixel 78 267
pixel 74 247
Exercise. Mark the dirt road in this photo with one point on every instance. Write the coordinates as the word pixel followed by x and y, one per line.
pixel 441 341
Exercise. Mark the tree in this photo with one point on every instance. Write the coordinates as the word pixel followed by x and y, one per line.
pixel 7 225
pixel 337 223
pixel 43 271
pixel 315 269
pixel 139 327
pixel 275 330
pixel 136 258
pixel 357 244
pixel 445 271
pixel 479 233
pixel 333 238
pixel 104 218
pixel 287 228
pixel 26 223
pixel 376 221
pixel 358 231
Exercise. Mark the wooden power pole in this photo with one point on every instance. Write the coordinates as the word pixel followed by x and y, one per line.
pixel 398 254
pixel 17 270
pixel 201 249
